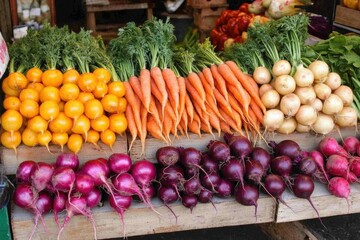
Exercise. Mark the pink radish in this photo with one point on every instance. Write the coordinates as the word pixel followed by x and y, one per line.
pixel 329 146
pixel 23 172
pixel 70 160
pixel 319 160
pixel 337 165
pixel 59 205
pixel 339 187
pixel 41 175
pixel 350 143
pixel 120 204
pixel 119 163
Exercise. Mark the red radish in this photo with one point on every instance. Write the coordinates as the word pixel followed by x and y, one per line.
pixel 218 151
pixel 93 198
pixel 329 146
pixel 319 160
pixel 41 175
pixel 233 170
pixel 307 166
pixel 67 160
pixel 120 204
pixel 350 144
pixel 144 172
pixel 355 166
pixel 191 172
pixel 339 187
pixel 286 147
pixel 43 204
pixel 26 196
pixel 303 187
pixel 76 205
pixel 208 164
pixel 83 183
pixel 149 191
pixel 358 149
pixel 189 201
pixel 247 195
pixel 351 177
pixel 205 195
pixel 240 146
pixel 254 171
pixel 63 179
pixel 59 204
pixel 262 156
pixel 337 165
pixel 225 188
pixel 211 181
pixel 167 156
pixel 23 172
pixel 274 185
pixel 119 163
pixel 168 195
pixel 192 186
pixel 125 185
pixel 171 176
pixel 282 165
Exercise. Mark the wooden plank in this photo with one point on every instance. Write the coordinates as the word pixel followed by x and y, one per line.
pixel 307 141
pixel 40 154
pixel 5 20
pixel 326 204
pixel 279 231
pixel 347 16
pixel 140 220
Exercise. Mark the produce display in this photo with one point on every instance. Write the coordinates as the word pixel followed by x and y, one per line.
pixel 51 96
pixel 67 88
pixel 229 168
pixel 64 186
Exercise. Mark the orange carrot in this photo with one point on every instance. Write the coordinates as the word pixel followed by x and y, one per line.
pixel 169 111
pixel 136 86
pixel 253 83
pixel 245 82
pixel 241 96
pixel 208 89
pixel 208 76
pixel 154 111
pixel 157 94
pixel 159 81
pixel 195 81
pixel 195 96
pixel 212 105
pixel 182 95
pixel 167 126
pixel 225 127
pixel 173 87
pixel 144 114
pixel 237 118
pixel 229 120
pixel 194 125
pixel 222 101
pixel 154 129
pixel 204 118
pixel 206 127
pixel 135 103
pixel 214 120
pixel 184 122
pixel 220 82
pixel 257 111
pixel 189 108
pixel 145 81
pixel 158 107
pixel 131 124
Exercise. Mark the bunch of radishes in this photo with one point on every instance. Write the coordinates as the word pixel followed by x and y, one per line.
pixel 227 168
pixel 42 187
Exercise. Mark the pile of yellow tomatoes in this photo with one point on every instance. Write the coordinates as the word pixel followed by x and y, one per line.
pixel 66 109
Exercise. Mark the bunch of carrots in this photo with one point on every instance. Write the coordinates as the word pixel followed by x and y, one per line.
pixel 175 89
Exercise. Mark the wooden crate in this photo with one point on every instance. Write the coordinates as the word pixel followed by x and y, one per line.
pixel 326 204
pixel 40 154
pixel 307 141
pixel 140 220
pixel 206 3
pixel 205 18
pixel 347 17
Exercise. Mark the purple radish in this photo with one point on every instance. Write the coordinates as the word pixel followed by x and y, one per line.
pixel 234 170
pixel 41 175
pixel 225 188
pixel 23 172
pixel 240 146
pixel 119 163
pixel 70 160
pixel 319 160
pixel 307 166
pixel 218 151
pixel 189 201
pixel 167 156
pixel 262 156
pixel 247 195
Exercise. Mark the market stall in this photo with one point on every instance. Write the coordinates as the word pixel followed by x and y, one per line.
pixel 146 134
